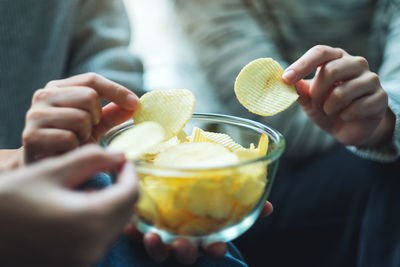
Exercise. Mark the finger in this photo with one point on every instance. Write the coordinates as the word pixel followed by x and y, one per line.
pixel 75 167
pixel 155 248
pixel 106 89
pixel 347 92
pixel 303 89
pixel 75 120
pixel 133 233
pixel 216 250
pixel 267 209
pixel 310 61
pixel 79 97
pixel 40 143
pixel 338 70
pixel 184 251
pixel 112 116
pixel 371 106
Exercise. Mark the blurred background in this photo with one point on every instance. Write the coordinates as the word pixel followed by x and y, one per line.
pixel 168 61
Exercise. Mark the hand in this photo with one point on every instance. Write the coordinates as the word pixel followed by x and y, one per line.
pixel 45 223
pixel 67 113
pixel 344 98
pixel 184 251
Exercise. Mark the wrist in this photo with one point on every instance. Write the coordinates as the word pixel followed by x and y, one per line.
pixel 383 135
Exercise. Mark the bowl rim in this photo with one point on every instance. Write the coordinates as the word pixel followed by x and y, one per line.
pixel 272 156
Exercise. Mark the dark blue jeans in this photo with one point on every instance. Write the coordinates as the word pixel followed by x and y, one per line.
pixel 334 210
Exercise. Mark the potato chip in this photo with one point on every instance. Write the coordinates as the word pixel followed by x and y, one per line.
pixel 152 152
pixel 260 88
pixel 196 155
pixel 138 139
pixel 172 109
pixel 263 144
pixel 198 135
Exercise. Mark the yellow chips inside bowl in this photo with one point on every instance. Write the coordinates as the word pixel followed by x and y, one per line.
pixel 172 109
pixel 206 188
pixel 260 88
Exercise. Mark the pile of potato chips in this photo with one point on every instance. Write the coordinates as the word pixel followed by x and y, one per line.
pixel 210 187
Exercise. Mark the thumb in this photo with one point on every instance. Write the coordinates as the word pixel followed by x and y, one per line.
pixel 303 89
pixel 76 167
pixel 112 115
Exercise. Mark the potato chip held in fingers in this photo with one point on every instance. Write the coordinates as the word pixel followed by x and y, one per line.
pixel 172 109
pixel 138 140
pixel 259 88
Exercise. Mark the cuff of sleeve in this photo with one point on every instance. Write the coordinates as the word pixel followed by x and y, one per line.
pixel 383 156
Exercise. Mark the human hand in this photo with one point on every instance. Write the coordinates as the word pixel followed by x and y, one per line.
pixel 45 223
pixel 344 97
pixel 68 113
pixel 183 250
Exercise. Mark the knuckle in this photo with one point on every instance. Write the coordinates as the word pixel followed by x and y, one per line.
pixel 90 78
pixel 34 114
pixel 321 49
pixel 332 71
pixel 29 138
pixel 68 138
pixel 374 78
pixel 51 84
pixel 338 95
pixel 362 61
pixel 83 120
pixel 41 95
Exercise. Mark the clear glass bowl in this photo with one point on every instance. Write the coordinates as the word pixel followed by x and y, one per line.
pixel 206 205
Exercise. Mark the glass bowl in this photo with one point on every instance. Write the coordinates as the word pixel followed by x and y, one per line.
pixel 206 205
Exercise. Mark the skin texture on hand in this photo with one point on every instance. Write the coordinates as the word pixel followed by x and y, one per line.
pixel 344 97
pixel 45 223
pixel 68 113
pixel 183 251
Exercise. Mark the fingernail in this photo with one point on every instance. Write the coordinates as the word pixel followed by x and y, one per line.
pixel 289 75
pixel 132 101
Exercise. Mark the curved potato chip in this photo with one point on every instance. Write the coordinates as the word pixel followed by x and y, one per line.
pixel 260 88
pixel 196 155
pixel 138 139
pixel 172 109
pixel 263 144
pixel 199 135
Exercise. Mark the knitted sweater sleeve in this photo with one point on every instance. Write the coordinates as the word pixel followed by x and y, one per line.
pixel 388 22
pixel 100 44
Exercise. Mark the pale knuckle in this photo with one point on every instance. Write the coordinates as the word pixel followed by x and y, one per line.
pixel 68 138
pixel 338 95
pixel 35 114
pixel 374 78
pixel 41 95
pixel 90 78
pixel 362 61
pixel 321 49
pixel 83 120
pixel 29 138
pixel 332 71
